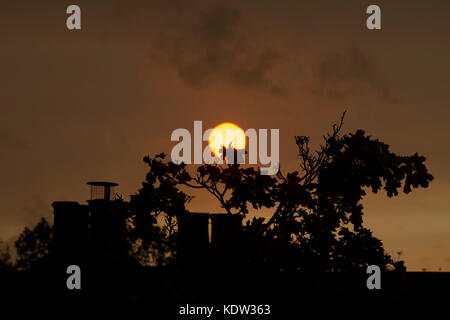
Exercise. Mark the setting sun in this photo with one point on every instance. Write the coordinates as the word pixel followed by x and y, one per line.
pixel 226 134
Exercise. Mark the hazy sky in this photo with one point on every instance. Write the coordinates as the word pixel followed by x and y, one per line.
pixel 89 104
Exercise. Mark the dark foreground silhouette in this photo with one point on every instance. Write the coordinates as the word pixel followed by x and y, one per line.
pixel 152 249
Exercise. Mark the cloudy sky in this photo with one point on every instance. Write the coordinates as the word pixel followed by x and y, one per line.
pixel 89 104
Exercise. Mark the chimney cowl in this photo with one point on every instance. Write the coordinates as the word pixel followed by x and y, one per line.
pixel 102 189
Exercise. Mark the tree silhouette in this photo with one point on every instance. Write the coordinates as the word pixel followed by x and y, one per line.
pixel 317 219
pixel 33 245
pixel 5 257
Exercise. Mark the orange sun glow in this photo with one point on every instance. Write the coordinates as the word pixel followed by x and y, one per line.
pixel 226 135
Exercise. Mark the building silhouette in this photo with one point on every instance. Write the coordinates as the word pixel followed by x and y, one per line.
pixel 96 233
pixel 91 232
pixel 208 240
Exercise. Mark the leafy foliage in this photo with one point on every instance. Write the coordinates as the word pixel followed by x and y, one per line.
pixel 317 219
pixel 33 245
pixel 5 257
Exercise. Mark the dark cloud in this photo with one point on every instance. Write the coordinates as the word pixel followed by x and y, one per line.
pixel 340 75
pixel 213 47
